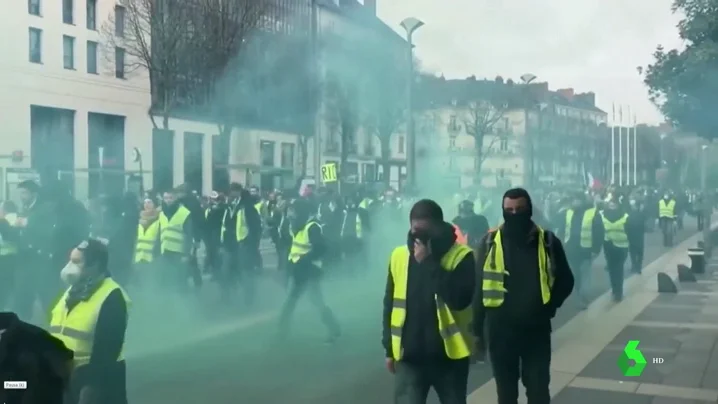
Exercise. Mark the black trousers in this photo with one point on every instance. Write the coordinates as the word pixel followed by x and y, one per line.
pixel 636 255
pixel 615 262
pixel 521 353
pixel 413 381
pixel 239 268
pixel 309 283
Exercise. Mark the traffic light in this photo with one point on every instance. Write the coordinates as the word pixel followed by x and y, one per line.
pixel 17 156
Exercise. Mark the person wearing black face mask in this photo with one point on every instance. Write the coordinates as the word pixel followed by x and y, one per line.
pixel 518 308
pixel 427 310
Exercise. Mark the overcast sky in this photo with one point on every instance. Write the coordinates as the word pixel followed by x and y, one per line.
pixel 590 45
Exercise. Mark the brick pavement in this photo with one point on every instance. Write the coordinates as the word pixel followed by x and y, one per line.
pixel 680 330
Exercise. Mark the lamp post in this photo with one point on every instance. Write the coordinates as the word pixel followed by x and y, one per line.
pixel 410 25
pixel 707 206
pixel 662 150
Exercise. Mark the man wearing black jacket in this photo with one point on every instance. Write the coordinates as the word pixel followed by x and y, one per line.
pixel 427 310
pixel 473 225
pixel 518 308
pixel 30 354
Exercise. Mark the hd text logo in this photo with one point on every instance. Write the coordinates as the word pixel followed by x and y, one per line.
pixel 632 362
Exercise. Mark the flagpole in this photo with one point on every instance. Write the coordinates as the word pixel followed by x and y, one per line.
pixel 620 145
pixel 635 147
pixel 628 148
pixel 613 144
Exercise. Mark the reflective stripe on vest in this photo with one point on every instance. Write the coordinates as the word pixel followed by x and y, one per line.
pixel 616 231
pixel 241 231
pixel 172 230
pixel 146 241
pixel 6 247
pixel 586 227
pixel 667 209
pixel 453 325
pixel 492 284
pixel 301 245
pixel 357 224
pixel 76 329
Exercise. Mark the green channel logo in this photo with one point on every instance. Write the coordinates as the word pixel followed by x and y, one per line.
pixel 631 353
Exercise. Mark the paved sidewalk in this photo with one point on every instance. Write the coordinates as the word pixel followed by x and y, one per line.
pixel 680 331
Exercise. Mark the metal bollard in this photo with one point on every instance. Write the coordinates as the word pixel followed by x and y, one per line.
pixel 698 260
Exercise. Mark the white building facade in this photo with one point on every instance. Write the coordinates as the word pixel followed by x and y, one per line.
pixel 70 107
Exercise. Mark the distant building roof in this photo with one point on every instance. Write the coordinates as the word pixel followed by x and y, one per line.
pixel 358 13
pixel 435 91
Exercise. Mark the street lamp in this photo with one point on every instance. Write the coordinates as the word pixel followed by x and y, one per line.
pixel 662 150
pixel 410 25
pixel 528 78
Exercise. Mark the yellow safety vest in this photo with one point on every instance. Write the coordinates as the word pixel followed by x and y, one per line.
pixel 365 203
pixel 301 245
pixel 616 231
pixel 258 206
pixel 146 239
pixel 453 325
pixel 8 248
pixel 241 230
pixel 667 209
pixel 76 328
pixel 357 225
pixel 492 284
pixel 586 227
pixel 172 231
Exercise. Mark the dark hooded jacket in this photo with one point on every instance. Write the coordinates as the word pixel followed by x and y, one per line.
pixel 421 340
pixel 30 354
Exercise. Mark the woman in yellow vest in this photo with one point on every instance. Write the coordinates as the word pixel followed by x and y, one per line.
pixel 176 240
pixel 147 245
pixel 304 269
pixel 427 310
pixel 615 246
pixel 91 319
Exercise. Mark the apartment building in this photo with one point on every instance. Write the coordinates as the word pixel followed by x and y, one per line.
pixel 529 134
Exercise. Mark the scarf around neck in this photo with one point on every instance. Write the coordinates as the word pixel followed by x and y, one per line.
pixel 83 290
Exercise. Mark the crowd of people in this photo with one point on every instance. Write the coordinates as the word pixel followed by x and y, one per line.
pixel 82 265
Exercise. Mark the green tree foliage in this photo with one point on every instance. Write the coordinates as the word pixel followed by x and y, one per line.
pixel 684 83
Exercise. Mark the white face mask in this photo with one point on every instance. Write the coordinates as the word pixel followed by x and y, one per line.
pixel 71 273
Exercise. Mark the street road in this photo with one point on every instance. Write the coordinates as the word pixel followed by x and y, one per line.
pixel 248 366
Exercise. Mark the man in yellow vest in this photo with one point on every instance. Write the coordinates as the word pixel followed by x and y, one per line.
pixel 91 320
pixel 581 230
pixel 305 269
pixel 240 234
pixel 525 278
pixel 667 218
pixel 176 240
pixel 616 223
pixel 354 231
pixel 427 310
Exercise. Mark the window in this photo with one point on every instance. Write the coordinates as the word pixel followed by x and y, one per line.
pixel 120 21
pixel 119 63
pixel 91 14
pixel 68 8
pixel 35 45
pixel 266 153
pixel 504 144
pixel 452 143
pixel 68 52
pixel 92 57
pixel 401 144
pixel 287 155
pixel 33 7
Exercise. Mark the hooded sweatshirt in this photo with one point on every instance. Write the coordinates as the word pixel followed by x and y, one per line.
pixel 421 340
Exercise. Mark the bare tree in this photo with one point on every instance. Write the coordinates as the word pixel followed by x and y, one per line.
pixel 385 96
pixel 225 29
pixel 480 119
pixel 341 86
pixel 152 36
